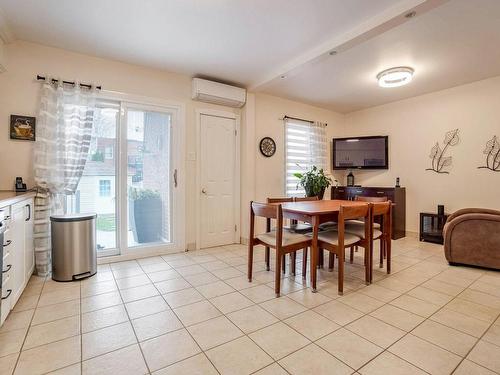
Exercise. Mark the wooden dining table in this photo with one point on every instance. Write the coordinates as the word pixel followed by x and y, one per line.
pixel 315 213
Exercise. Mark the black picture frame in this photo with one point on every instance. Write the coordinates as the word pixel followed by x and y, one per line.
pixel 22 128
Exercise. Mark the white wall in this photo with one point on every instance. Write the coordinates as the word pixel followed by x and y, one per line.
pixel 19 95
pixel 414 126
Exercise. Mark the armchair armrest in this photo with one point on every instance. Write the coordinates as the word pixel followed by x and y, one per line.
pixel 472 236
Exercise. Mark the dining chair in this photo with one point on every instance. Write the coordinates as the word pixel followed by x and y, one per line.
pixel 283 242
pixel 382 210
pixel 336 241
pixel 304 228
pixel 285 227
pixel 361 198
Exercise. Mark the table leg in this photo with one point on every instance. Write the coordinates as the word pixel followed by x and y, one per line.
pixel 314 252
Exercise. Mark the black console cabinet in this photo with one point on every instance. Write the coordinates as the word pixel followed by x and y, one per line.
pixel 395 195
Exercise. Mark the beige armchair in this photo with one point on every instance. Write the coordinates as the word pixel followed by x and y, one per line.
pixel 472 237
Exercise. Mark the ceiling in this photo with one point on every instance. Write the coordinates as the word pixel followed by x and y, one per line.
pixel 453 44
pixel 254 43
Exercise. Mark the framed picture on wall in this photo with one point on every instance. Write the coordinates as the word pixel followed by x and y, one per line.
pixel 22 127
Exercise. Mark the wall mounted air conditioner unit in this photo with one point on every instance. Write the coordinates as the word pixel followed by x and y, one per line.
pixel 218 93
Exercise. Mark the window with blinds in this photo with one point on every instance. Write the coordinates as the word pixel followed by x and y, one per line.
pixel 305 146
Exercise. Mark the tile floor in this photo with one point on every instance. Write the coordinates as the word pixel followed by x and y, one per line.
pixel 196 313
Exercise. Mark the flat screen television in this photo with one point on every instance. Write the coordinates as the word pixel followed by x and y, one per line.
pixel 361 153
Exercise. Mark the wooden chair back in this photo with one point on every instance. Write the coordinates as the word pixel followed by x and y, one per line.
pixel 305 199
pixel 381 208
pixel 269 211
pixel 370 199
pixel 384 210
pixel 279 200
pixel 354 212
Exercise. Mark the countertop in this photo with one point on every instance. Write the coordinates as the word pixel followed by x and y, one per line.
pixel 8 198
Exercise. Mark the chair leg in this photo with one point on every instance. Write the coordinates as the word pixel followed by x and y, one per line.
pixel 388 249
pixel 321 258
pixel 283 263
pixel 367 265
pixel 277 275
pixel 382 248
pixel 250 260
pixel 267 259
pixel 351 258
pixel 293 258
pixel 331 261
pixel 341 271
pixel 356 248
pixel 304 262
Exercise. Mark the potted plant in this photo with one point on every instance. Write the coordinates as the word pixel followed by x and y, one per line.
pixel 145 215
pixel 314 182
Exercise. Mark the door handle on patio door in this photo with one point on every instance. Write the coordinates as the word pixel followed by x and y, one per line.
pixel 175 177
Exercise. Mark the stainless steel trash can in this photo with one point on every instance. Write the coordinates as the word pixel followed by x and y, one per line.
pixel 73 246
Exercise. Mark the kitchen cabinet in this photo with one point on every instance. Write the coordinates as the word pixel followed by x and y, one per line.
pixel 18 252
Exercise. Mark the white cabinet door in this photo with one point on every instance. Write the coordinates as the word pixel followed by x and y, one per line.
pixel 17 251
pixel 29 245
pixel 6 300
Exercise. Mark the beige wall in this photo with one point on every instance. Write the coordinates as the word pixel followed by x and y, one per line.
pixel 415 125
pixel 19 95
pixel 269 110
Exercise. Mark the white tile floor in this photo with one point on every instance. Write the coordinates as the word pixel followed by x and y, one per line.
pixel 196 313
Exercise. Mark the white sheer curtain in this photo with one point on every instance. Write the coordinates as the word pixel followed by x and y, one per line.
pixel 305 145
pixel 64 131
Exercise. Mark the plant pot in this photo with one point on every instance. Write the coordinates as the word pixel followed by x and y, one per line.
pixel 311 193
pixel 146 219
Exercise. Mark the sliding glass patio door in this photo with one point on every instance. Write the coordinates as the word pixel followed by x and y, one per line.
pixel 149 177
pixel 130 179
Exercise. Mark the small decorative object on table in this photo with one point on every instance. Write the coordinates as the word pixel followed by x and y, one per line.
pixel 314 182
pixel 22 127
pixel 431 226
pixel 350 179
pixel 397 182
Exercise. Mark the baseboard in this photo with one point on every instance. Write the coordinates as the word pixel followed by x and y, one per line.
pixel 243 240
pixel 411 234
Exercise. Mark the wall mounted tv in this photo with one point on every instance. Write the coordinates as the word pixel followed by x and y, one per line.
pixel 361 153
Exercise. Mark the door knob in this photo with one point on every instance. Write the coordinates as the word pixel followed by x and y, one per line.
pixel 203 191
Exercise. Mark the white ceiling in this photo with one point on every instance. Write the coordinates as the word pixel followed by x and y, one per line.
pixel 253 42
pixel 453 44
pixel 233 40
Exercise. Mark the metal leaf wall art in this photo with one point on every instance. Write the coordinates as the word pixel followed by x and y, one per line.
pixel 492 152
pixel 438 157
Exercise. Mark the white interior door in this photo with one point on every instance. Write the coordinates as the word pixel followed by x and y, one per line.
pixel 217 180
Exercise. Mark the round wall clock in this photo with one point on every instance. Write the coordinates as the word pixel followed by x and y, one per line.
pixel 267 146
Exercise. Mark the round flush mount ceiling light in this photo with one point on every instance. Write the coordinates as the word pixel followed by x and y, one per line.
pixel 395 77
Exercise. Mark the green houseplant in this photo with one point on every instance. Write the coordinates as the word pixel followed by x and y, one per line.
pixel 314 182
pixel 145 215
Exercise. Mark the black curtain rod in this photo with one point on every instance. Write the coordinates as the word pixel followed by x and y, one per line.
pixel 42 78
pixel 299 119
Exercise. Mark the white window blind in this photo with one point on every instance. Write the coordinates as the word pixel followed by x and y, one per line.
pixel 305 146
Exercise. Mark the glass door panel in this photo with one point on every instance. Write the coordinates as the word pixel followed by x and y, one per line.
pixel 149 193
pixel 96 190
